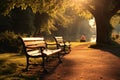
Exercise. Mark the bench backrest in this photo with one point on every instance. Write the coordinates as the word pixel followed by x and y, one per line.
pixel 32 42
pixel 59 39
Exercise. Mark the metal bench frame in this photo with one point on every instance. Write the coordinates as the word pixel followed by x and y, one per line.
pixel 65 45
pixel 36 47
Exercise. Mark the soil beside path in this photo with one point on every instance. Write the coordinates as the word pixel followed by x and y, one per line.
pixel 85 63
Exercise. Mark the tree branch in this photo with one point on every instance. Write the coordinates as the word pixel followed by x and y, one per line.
pixel 88 7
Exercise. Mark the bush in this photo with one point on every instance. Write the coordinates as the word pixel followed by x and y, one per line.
pixel 9 42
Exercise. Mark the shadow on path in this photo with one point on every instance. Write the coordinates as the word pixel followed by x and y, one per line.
pixel 85 63
pixel 115 50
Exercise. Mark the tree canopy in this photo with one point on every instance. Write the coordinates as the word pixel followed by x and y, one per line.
pixel 102 10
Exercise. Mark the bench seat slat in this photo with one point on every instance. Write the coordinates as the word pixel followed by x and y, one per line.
pixel 35 46
pixel 33 38
pixel 50 52
pixel 62 44
pixel 47 52
pixel 34 53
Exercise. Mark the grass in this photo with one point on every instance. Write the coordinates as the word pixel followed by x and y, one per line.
pixel 12 65
pixel 74 44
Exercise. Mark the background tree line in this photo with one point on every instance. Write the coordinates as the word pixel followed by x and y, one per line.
pixel 42 17
pixel 66 23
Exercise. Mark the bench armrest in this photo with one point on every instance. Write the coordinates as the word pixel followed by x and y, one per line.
pixel 66 42
pixel 50 44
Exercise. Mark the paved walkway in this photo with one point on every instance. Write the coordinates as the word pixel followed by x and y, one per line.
pixel 85 63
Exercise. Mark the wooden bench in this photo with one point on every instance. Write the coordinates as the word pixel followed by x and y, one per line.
pixel 36 47
pixel 65 45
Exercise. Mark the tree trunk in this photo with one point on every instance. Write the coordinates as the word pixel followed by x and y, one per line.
pixel 104 28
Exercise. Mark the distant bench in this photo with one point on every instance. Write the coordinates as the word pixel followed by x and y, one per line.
pixel 65 45
pixel 36 47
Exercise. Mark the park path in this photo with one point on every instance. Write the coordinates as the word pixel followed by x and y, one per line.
pixel 85 63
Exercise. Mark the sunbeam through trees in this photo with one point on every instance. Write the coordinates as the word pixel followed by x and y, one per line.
pixel 48 16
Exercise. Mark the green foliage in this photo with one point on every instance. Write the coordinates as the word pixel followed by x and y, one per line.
pixel 9 42
pixel 56 12
pixel 115 20
pixel 22 20
pixel 54 9
pixel 43 23
pixel 3 6
pixel 11 66
pixel 8 69
pixel 5 23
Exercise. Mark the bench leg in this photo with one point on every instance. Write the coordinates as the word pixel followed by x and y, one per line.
pixel 69 49
pixel 60 61
pixel 43 65
pixel 27 63
pixel 47 59
pixel 64 48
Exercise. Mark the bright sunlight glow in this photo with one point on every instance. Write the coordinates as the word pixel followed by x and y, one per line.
pixel 93 26
pixel 92 23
